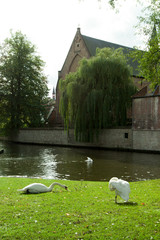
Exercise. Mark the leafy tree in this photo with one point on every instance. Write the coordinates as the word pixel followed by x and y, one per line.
pixel 149 60
pixel 23 86
pixel 97 95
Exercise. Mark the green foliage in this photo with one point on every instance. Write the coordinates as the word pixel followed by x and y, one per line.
pixel 23 86
pixel 86 211
pixel 149 60
pixel 98 95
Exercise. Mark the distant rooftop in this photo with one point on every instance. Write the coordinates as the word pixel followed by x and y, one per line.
pixel 147 92
pixel 92 44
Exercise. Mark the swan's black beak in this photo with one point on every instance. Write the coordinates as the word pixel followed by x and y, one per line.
pixel 66 188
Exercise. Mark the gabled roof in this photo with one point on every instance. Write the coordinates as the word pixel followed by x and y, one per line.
pixel 147 92
pixel 92 44
pixel 140 93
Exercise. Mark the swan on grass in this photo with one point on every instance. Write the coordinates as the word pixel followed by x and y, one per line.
pixel 40 188
pixel 121 188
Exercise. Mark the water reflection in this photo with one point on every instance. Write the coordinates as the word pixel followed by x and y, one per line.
pixel 76 163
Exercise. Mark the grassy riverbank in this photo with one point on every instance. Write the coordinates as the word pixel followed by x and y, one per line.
pixel 86 211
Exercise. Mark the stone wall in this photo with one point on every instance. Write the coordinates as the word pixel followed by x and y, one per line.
pixel 146 140
pixel 118 139
pixel 109 138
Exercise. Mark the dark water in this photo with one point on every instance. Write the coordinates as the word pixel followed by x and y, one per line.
pixel 70 163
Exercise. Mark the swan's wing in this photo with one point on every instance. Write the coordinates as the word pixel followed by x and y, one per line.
pixel 34 188
pixel 25 188
pixel 123 189
pixel 120 185
pixel 37 188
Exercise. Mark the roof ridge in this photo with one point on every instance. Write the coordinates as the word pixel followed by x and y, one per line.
pixel 93 43
pixel 97 39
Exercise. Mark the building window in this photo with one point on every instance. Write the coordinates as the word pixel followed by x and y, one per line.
pixel 125 135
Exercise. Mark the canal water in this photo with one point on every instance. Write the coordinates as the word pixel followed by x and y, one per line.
pixel 50 162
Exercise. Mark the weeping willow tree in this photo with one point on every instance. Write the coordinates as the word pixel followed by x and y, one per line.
pixel 97 95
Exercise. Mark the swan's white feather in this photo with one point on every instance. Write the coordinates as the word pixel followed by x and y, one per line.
pixel 90 160
pixel 121 187
pixel 35 188
pixel 39 188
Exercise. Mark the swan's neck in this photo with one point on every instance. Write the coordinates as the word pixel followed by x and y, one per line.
pixel 53 184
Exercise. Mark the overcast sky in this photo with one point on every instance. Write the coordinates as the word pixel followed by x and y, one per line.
pixel 52 24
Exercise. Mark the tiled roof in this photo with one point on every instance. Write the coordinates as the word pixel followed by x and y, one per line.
pixel 147 92
pixel 141 93
pixel 92 44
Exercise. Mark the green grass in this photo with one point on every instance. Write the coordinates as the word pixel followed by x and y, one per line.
pixel 86 211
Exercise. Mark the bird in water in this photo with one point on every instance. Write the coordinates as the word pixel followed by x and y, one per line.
pixel 89 160
pixel 121 188
pixel 40 188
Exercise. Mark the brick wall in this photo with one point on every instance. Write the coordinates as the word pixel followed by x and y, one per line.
pixel 76 52
pixel 146 113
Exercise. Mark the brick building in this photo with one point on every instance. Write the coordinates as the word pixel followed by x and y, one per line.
pixel 146 109
pixel 84 46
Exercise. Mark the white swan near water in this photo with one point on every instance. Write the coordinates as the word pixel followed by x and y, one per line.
pixel 40 188
pixel 121 188
pixel 89 160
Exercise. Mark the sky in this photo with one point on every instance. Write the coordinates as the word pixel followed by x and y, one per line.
pixel 52 24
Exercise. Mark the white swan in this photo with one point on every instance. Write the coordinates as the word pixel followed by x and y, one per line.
pixel 89 160
pixel 121 188
pixel 40 188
